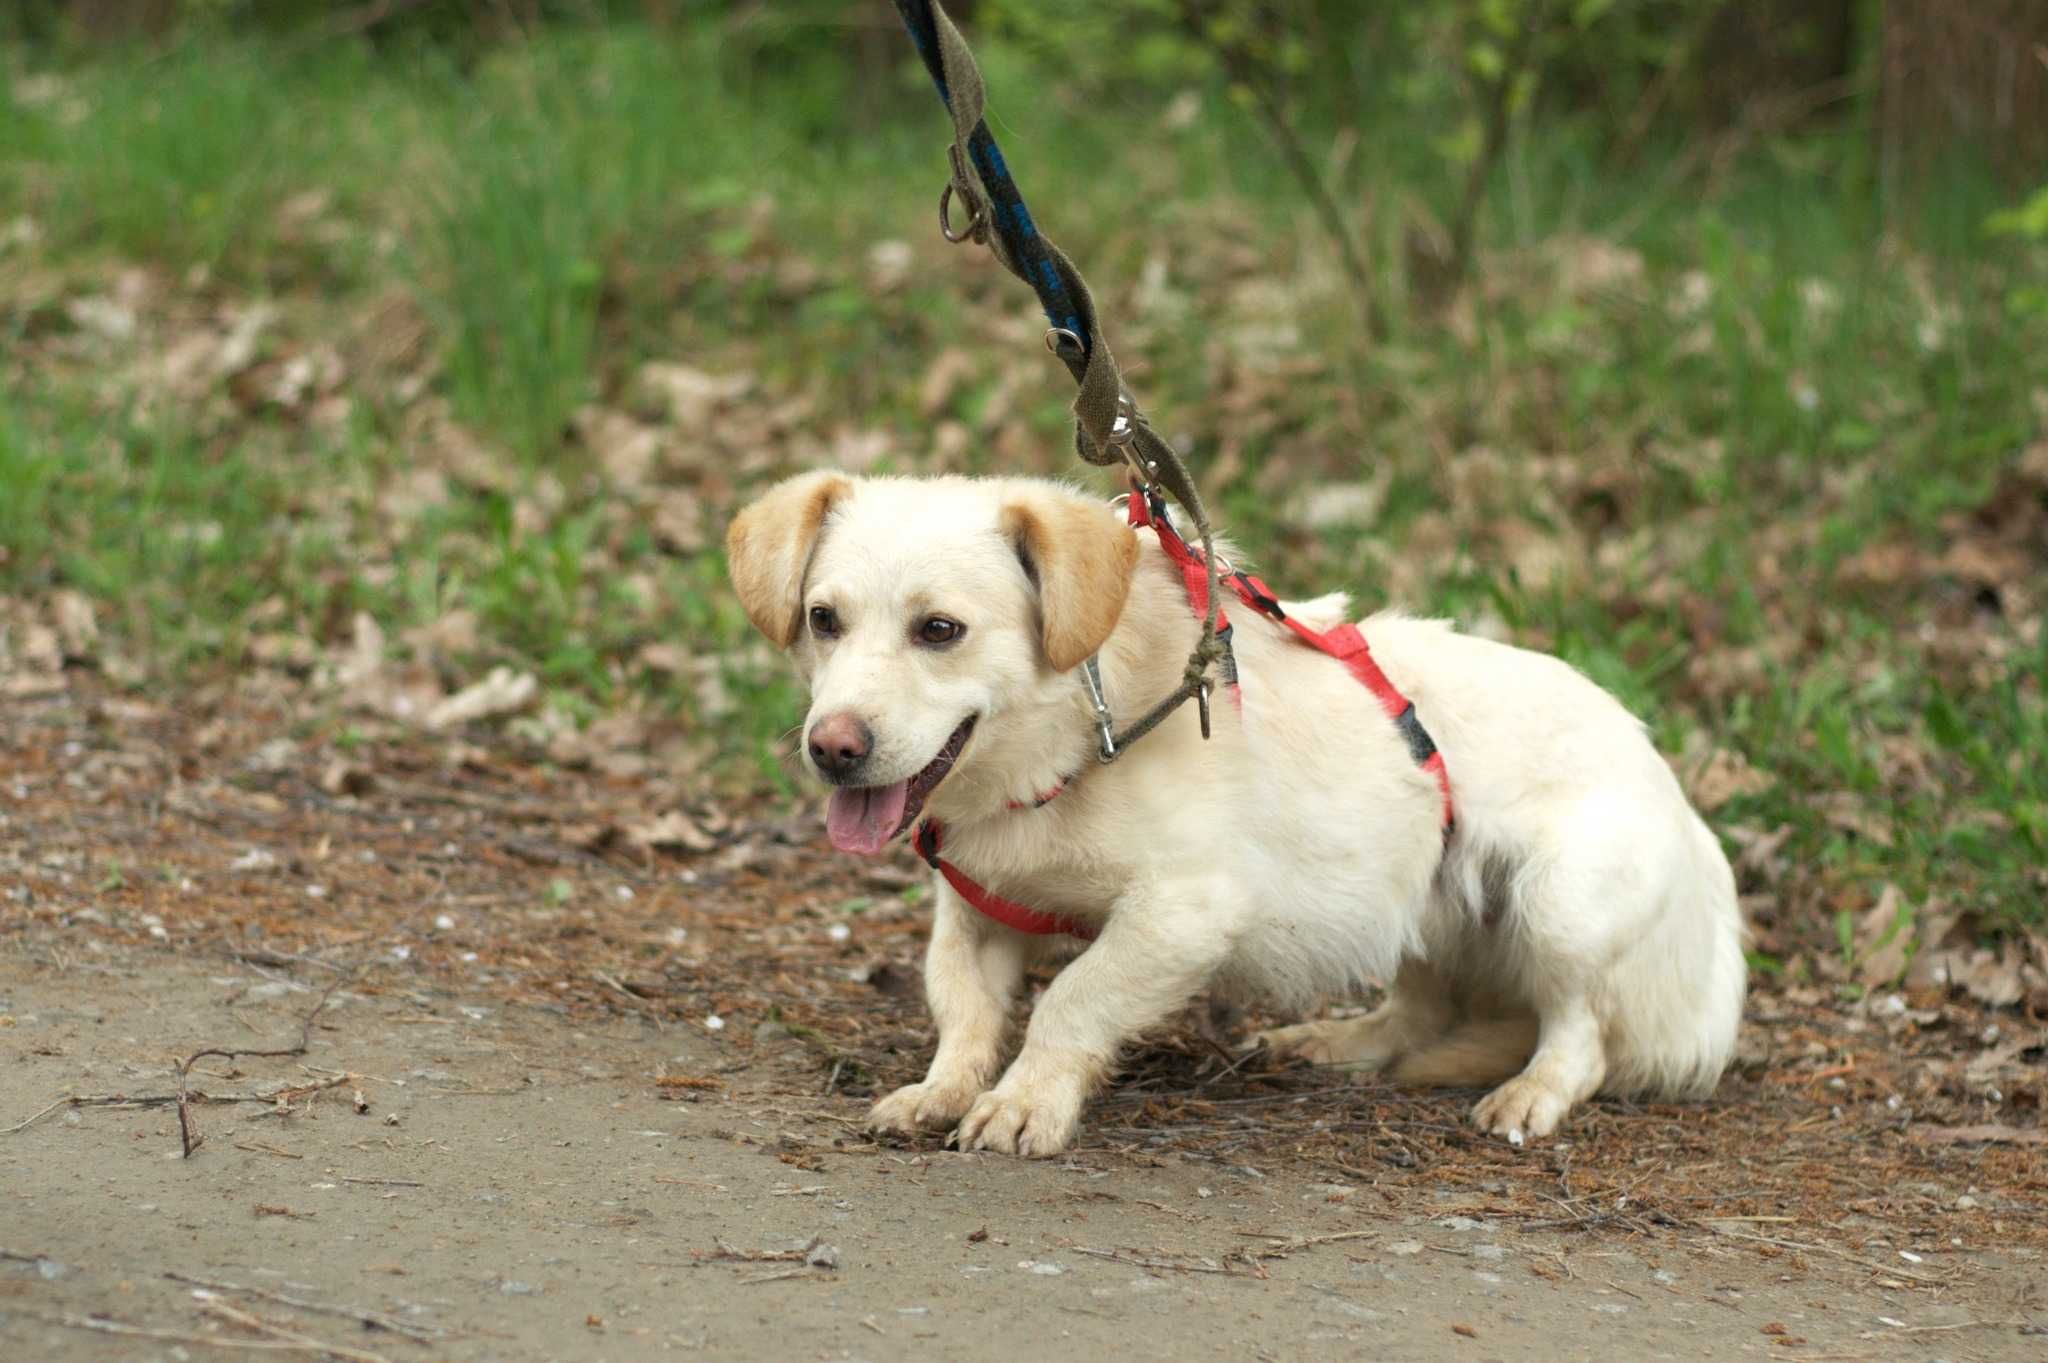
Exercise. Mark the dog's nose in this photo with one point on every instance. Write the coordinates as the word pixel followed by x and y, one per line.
pixel 839 744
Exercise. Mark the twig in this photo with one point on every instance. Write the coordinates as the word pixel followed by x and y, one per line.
pixel 1137 1261
pixel 258 1147
pixel 115 1327
pixel 28 1122
pixel 189 1137
pixel 1242 68
pixel 1283 1244
pixel 1934 1329
pixel 803 1271
pixel 235 1315
pixel 375 1319
pixel 1494 138
pixel 385 1182
pixel 1889 1270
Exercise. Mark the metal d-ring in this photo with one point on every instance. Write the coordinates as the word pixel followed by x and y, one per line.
pixel 1065 344
pixel 977 216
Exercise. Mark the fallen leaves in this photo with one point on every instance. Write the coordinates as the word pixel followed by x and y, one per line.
pixel 502 692
pixel 1713 775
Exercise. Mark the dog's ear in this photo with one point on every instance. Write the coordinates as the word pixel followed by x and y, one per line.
pixel 768 547
pixel 1081 556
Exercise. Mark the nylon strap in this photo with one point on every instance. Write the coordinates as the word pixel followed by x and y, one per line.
pixel 1108 427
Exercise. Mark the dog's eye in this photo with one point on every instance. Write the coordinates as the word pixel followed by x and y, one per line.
pixel 938 630
pixel 824 622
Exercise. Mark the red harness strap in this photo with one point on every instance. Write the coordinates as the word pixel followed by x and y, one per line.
pixel 1342 642
pixel 1005 911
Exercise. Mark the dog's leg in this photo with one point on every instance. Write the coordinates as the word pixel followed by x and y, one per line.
pixel 1159 948
pixel 1567 1067
pixel 971 972
pixel 1418 1009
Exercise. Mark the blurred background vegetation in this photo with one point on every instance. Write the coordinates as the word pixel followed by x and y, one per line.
pixel 394 341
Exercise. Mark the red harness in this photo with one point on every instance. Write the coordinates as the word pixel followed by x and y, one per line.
pixel 1342 642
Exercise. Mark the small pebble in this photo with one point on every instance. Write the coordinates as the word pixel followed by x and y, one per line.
pixel 444 921
pixel 512 1287
pixel 839 932
pixel 714 1023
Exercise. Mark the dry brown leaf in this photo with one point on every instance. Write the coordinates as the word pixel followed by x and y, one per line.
pixel 1881 940
pixel 1713 776
pixel 679 521
pixel 503 692
pixel 686 396
pixel 673 829
pixel 1846 811
pixel 942 378
pixel 626 449
pixel 77 630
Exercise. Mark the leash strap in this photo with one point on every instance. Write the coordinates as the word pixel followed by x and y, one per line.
pixel 1108 428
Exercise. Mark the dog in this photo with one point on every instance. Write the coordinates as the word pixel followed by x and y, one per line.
pixel 1572 931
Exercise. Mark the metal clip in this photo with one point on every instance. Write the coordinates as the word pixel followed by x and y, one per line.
pixel 1202 704
pixel 1105 726
pixel 1123 437
pixel 977 217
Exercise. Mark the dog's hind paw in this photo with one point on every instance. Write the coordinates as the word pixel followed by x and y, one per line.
pixel 1033 1120
pixel 922 1107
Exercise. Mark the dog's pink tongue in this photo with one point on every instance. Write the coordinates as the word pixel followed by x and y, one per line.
pixel 860 820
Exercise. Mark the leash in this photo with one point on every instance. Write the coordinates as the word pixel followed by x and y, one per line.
pixel 1199 576
pixel 1108 427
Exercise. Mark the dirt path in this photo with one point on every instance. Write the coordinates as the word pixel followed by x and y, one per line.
pixel 559 1156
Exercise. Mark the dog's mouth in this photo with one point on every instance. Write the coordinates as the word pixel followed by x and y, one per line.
pixel 864 819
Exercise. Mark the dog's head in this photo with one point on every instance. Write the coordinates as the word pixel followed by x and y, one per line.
pixel 931 619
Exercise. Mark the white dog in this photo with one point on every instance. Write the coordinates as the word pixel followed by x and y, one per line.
pixel 1573 931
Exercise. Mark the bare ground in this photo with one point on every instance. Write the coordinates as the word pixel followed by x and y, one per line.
pixel 514 1131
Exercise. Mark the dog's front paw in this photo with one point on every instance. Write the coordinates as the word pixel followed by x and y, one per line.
pixel 929 1106
pixel 1522 1109
pixel 1033 1119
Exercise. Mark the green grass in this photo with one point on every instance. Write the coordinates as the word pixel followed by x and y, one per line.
pixel 1778 380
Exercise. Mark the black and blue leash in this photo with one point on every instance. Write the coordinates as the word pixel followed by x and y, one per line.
pixel 1108 428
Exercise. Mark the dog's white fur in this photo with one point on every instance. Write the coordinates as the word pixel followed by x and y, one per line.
pixel 1577 934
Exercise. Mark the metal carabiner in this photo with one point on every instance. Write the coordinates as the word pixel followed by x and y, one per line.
pixel 1105 725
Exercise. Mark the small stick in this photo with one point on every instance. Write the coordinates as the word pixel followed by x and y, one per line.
pixel 385 1182
pixel 28 1122
pixel 189 1137
pixel 1136 1261
pixel 115 1327
pixel 1303 1242
pixel 260 1148
pixel 1887 1269
pixel 802 1271
pixel 375 1319
pixel 234 1315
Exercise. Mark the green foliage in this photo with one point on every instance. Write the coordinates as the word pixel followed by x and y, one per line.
pixel 1777 379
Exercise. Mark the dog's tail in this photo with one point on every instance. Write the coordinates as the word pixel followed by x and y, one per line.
pixel 1475 1054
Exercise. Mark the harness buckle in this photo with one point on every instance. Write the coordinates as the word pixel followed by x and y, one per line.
pixel 977 215
pixel 1105 724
